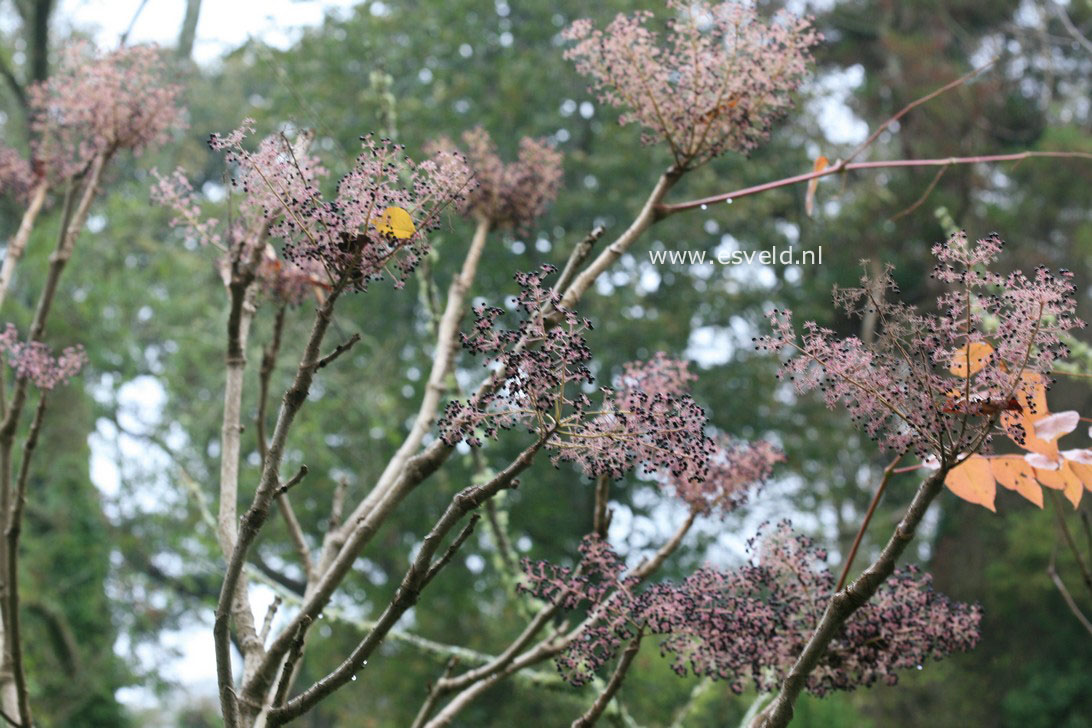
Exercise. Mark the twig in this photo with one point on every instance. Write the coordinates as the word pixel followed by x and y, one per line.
pixel 292 482
pixel 290 663
pixel 269 615
pixel 1052 572
pixel 443 561
pixel 433 695
pixel 338 351
pixel 592 715
pixel 265 373
pixel 864 524
pixel 1086 576
pixel 921 200
pixel 19 241
pixel 667 210
pixel 914 104
pixel 577 257
pixel 416 577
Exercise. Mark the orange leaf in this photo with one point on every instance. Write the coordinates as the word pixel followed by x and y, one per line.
pixel 973 481
pixel 1074 488
pixel 1083 473
pixel 1031 395
pixel 970 358
pixel 809 198
pixel 1014 473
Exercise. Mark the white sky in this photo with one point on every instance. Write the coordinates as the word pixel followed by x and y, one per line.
pixel 223 24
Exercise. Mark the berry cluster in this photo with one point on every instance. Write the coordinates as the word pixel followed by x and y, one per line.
pixel 746 625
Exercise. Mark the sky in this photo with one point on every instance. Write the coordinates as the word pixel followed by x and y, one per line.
pixel 222 25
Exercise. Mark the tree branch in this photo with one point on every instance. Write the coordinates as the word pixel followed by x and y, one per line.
pixel 421 571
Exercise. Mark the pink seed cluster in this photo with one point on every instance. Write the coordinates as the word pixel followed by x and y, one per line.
pixel 648 420
pixel 95 105
pixel 746 626
pixel 345 233
pixel 715 83
pixel 900 388
pixel 34 361
pixel 514 194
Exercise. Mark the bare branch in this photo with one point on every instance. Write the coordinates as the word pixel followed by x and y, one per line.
pixel 667 210
pixel 338 351
pixel 13 640
pixel 19 241
pixel 601 516
pixel 864 523
pixel 416 577
pixel 1052 572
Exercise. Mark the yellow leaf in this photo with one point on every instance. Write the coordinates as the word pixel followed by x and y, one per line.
pixel 970 358
pixel 1014 473
pixel 395 221
pixel 809 199
pixel 973 481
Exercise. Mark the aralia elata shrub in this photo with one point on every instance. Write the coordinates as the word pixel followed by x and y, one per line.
pixel 938 386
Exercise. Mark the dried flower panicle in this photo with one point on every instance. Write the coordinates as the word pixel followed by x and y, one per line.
pixel 349 235
pixel 649 419
pixel 746 625
pixel 716 83
pixel 176 193
pixel 508 195
pixel 937 384
pixel 94 105
pixel 34 361
pixel 533 362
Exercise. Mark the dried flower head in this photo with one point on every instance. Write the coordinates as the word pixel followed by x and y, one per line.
pixel 96 105
pixel 716 83
pixel 746 625
pixel 937 384
pixel 377 222
pixel 509 195
pixel 34 361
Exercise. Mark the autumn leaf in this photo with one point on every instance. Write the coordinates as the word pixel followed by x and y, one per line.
pixel 970 359
pixel 1014 473
pixel 973 481
pixel 1032 398
pixel 395 221
pixel 809 198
